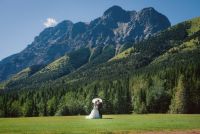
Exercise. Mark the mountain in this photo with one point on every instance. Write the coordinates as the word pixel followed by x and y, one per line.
pixel 182 37
pixel 115 27
pixel 160 74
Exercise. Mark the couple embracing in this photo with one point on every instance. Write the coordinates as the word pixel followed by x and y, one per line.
pixel 96 112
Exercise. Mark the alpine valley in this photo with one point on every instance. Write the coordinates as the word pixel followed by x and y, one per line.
pixel 135 61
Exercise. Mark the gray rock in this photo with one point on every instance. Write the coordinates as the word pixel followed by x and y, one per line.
pixel 116 26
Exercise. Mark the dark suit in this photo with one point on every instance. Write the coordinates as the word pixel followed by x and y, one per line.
pixel 100 106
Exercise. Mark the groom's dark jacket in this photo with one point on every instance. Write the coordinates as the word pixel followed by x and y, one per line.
pixel 100 105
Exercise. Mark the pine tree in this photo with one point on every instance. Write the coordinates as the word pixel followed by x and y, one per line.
pixel 179 102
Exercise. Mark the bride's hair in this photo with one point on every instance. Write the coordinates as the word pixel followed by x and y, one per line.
pixel 95 103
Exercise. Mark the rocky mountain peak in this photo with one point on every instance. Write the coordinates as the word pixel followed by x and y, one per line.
pixel 116 13
pixel 148 9
pixel 116 26
pixel 64 24
pixel 149 12
pixel 114 10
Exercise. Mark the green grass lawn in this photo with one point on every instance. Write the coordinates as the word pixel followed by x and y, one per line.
pixel 110 124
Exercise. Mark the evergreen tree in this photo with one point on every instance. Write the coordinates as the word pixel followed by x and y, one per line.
pixel 179 102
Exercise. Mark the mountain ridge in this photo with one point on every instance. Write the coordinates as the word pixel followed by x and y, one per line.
pixel 65 37
pixel 144 78
pixel 133 52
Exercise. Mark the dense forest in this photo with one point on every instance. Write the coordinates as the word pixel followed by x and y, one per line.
pixel 158 75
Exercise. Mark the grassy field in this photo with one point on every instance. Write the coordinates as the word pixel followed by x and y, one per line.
pixel 110 124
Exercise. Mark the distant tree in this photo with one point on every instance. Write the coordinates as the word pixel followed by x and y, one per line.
pixel 51 106
pixel 28 108
pixel 179 102
pixel 15 109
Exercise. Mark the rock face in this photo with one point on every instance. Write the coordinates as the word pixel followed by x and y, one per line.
pixel 116 26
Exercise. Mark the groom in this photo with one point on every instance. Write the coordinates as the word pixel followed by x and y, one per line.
pixel 99 105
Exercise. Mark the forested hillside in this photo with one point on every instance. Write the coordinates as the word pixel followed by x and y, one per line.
pixel 115 27
pixel 158 75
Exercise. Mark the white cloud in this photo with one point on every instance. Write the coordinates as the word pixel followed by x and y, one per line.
pixel 50 22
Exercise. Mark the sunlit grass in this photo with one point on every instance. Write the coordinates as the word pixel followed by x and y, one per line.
pixel 123 54
pixel 110 124
pixel 195 25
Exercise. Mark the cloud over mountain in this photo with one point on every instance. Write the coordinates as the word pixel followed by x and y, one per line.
pixel 50 22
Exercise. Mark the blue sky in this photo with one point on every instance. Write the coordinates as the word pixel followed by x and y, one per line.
pixel 22 20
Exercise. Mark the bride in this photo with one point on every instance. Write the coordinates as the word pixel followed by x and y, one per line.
pixel 95 112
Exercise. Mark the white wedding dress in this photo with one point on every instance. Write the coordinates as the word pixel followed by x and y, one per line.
pixel 94 113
